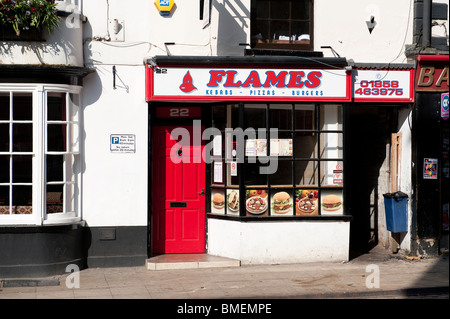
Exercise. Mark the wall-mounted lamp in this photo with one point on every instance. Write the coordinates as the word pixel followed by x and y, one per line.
pixel 116 26
pixel 371 24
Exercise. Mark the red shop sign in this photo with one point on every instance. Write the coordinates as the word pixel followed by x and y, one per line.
pixel 383 85
pixel 181 83
pixel 432 73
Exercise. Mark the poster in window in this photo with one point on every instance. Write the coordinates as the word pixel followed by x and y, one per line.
pixel 331 202
pixel 218 172
pixel 281 147
pixel 430 168
pixel 306 202
pixel 256 202
pixel 217 145
pixel 217 202
pixel 256 147
pixel 281 204
pixel 332 173
pixel 233 201
pixel 233 168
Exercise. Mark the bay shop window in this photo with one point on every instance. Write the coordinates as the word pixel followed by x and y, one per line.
pixel 307 149
pixel 39 154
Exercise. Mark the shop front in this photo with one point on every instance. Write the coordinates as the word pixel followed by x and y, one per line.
pixel 431 155
pixel 378 152
pixel 41 227
pixel 247 157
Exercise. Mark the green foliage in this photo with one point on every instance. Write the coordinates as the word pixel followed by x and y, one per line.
pixel 27 14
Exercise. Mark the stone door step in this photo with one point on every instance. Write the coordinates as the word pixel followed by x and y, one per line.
pixel 189 261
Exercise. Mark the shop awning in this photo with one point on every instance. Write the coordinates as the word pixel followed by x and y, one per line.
pixel 266 61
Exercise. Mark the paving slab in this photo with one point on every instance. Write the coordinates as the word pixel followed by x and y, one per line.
pixel 399 278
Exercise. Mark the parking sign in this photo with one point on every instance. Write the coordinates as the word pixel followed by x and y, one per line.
pixel 123 143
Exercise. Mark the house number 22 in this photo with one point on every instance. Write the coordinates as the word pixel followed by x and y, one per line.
pixel 179 112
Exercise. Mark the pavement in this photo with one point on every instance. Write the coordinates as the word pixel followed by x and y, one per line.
pixel 376 274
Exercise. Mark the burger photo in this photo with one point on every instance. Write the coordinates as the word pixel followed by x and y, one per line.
pixel 281 203
pixel 218 201
pixel 331 203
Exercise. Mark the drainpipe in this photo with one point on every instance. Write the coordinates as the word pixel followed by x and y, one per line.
pixel 426 24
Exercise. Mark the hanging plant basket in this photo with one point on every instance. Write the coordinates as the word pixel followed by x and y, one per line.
pixel 24 20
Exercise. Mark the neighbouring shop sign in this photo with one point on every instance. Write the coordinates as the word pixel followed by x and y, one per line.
pixel 248 84
pixel 383 85
pixel 432 73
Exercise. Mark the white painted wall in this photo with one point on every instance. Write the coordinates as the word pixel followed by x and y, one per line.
pixel 279 242
pixel 342 25
pixel 114 184
pixel 64 46
pixel 145 31
pixel 405 185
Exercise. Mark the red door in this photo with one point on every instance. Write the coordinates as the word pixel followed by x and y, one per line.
pixel 178 201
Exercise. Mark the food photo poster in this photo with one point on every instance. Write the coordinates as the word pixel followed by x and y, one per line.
pixel 233 204
pixel 303 202
pixel 218 202
pixel 331 202
pixel 256 202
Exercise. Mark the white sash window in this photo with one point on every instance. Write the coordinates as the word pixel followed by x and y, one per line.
pixel 39 154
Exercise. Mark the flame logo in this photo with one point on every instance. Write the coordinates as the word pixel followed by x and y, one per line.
pixel 187 85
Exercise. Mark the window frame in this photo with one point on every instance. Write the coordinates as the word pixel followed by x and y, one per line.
pixel 39 215
pixel 321 184
pixel 282 45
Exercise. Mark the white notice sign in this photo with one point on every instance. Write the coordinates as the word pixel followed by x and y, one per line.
pixel 123 143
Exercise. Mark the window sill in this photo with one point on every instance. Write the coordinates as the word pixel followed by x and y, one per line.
pixel 21 229
pixel 336 218
pixel 63 221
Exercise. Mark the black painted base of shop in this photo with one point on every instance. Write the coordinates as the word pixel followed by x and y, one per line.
pixel 124 246
pixel 30 252
pixel 40 251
